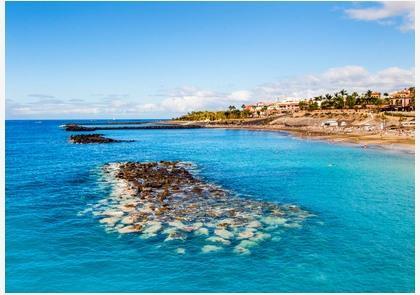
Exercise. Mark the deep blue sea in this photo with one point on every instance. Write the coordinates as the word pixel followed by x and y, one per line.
pixel 361 239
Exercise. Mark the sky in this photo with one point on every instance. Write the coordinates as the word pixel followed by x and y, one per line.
pixel 68 60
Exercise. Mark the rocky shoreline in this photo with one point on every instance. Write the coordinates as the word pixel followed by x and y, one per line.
pixel 163 200
pixel 93 138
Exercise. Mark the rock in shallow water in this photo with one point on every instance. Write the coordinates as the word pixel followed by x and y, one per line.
pixel 92 138
pixel 164 199
pixel 223 233
pixel 210 248
pixel 218 240
pixel 180 251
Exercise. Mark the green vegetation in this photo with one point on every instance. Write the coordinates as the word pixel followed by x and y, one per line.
pixel 231 113
pixel 308 105
pixel 343 100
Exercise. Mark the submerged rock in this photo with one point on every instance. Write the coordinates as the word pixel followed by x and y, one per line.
pixel 223 233
pixel 180 251
pixel 247 244
pixel 164 200
pixel 241 250
pixel 259 236
pixel 270 220
pixel 218 240
pixel 129 229
pixel 210 248
pixel 152 227
pixel 245 234
pixel 202 232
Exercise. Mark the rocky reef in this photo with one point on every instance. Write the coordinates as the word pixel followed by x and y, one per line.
pixel 164 200
pixel 92 138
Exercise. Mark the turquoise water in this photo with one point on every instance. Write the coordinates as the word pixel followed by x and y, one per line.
pixel 361 239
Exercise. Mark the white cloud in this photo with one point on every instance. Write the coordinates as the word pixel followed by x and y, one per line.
pixel 387 13
pixel 185 99
pixel 190 98
pixel 240 95
pixel 352 78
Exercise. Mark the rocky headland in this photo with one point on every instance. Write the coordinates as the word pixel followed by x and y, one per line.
pixel 166 202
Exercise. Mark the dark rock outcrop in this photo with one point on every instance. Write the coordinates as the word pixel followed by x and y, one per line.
pixel 76 127
pixel 92 138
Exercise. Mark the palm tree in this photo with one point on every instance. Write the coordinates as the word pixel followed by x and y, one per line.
pixel 369 93
pixel 343 92
pixel 232 108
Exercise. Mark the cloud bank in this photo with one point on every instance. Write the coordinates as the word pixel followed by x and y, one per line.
pixel 185 99
pixel 399 13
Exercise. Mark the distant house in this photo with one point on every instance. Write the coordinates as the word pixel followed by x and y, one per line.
pixel 257 109
pixel 277 107
pixel 263 109
pixel 286 105
pixel 405 93
pixel 376 95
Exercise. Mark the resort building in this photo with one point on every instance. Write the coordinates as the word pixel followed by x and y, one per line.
pixel 375 95
pixel 264 109
pixel 403 100
pixel 405 93
pixel 288 105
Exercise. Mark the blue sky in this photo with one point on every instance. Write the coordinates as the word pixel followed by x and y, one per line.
pixel 159 60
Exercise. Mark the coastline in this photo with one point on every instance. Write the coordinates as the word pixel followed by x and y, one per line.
pixel 366 140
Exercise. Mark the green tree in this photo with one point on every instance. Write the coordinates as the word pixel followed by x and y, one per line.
pixel 368 97
pixel 351 100
pixel 338 102
pixel 312 105
pixel 303 105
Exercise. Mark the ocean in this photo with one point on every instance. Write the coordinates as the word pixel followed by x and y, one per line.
pixel 359 239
